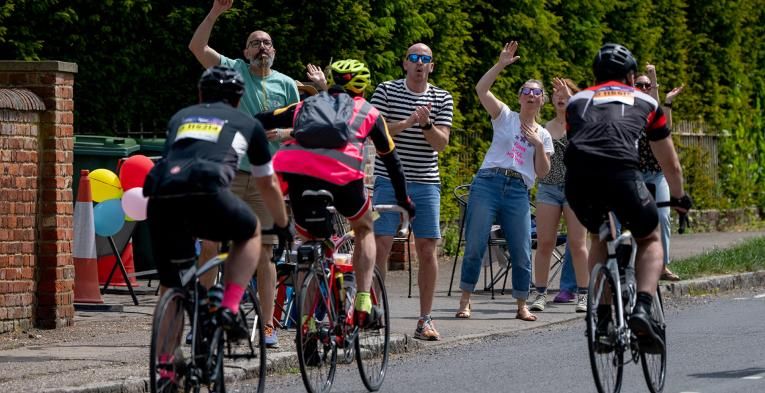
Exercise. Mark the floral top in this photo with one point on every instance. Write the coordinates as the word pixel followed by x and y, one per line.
pixel 557 174
pixel 648 162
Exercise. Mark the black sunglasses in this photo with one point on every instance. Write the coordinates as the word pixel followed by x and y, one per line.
pixel 643 85
pixel 529 90
pixel 413 57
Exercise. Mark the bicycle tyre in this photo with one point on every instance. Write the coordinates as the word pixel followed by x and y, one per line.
pixel 168 359
pixel 316 349
pixel 373 345
pixel 607 365
pixel 255 345
pixel 655 365
pixel 215 362
pixel 348 349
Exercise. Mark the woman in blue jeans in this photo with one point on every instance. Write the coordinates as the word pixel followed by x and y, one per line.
pixel 520 151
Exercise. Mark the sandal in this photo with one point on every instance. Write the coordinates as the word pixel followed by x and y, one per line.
pixel 464 312
pixel 667 275
pixel 529 317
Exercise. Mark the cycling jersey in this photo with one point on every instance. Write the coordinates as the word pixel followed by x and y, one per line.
pixel 604 123
pixel 205 143
pixel 341 165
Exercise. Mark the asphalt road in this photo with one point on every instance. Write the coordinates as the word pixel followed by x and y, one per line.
pixel 716 345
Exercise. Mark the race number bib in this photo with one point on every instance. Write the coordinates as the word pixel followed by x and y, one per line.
pixel 609 94
pixel 201 128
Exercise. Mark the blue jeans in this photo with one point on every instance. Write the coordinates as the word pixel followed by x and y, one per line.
pixel 505 200
pixel 567 274
pixel 662 195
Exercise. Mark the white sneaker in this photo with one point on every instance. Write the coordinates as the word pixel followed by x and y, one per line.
pixel 581 302
pixel 540 300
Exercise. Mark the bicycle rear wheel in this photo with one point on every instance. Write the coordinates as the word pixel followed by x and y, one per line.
pixel 655 364
pixel 169 353
pixel 606 356
pixel 372 345
pixel 255 345
pixel 317 352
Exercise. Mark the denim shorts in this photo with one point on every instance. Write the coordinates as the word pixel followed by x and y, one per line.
pixel 551 194
pixel 427 200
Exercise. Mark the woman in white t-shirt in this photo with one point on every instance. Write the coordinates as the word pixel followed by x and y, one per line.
pixel 520 151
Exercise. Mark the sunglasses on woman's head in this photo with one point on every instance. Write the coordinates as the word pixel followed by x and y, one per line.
pixel 413 57
pixel 532 90
pixel 643 85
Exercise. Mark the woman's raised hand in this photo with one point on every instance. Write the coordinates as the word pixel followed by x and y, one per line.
pixel 561 86
pixel 507 56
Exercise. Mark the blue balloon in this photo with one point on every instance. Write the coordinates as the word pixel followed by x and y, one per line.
pixel 108 217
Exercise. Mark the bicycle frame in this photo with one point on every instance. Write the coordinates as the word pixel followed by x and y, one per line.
pixel 608 233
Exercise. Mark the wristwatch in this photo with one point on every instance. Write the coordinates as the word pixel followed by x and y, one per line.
pixel 427 126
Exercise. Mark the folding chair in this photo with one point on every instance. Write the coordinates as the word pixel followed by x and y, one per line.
pixel 498 241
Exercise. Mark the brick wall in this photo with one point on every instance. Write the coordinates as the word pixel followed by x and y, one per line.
pixel 36 153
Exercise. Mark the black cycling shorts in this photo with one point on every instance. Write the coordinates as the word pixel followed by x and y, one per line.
pixel 351 200
pixel 176 222
pixel 591 198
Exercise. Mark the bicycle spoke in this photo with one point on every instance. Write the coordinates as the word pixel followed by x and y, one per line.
pixel 606 357
pixel 317 353
pixel 655 364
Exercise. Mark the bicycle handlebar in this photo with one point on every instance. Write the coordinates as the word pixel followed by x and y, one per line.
pixel 404 232
pixel 683 217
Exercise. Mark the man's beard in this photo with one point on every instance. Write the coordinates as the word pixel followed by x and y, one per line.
pixel 262 61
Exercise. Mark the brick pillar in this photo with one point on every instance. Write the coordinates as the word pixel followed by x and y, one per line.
pixel 53 83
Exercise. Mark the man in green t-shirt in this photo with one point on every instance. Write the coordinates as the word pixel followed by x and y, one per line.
pixel 265 90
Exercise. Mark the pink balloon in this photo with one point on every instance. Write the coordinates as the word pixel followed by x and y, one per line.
pixel 134 203
pixel 134 170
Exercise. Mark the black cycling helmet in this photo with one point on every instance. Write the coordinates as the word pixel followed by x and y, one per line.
pixel 221 83
pixel 613 62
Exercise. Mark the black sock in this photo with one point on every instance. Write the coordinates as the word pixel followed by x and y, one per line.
pixel 542 290
pixel 582 291
pixel 645 300
pixel 604 312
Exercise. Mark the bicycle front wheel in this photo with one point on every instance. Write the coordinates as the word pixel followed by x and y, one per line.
pixel 317 352
pixel 253 347
pixel 215 362
pixel 606 355
pixel 655 364
pixel 373 344
pixel 170 354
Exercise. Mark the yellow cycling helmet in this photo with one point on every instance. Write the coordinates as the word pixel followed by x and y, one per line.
pixel 352 74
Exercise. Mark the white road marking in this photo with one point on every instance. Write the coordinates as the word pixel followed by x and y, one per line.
pixel 689 392
pixel 740 298
pixel 753 377
pixel 760 296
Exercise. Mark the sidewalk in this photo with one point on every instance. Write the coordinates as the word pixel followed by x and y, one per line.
pixel 108 352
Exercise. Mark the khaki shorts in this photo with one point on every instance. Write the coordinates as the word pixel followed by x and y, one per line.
pixel 244 187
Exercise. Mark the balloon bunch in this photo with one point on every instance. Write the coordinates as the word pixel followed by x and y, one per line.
pixel 120 197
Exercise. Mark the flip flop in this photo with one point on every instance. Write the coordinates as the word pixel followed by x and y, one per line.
pixel 529 318
pixel 464 313
pixel 669 276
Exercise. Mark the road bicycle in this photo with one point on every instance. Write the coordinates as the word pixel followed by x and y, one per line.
pixel 613 283
pixel 188 344
pixel 325 303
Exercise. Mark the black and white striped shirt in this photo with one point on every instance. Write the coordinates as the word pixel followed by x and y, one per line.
pixel 396 102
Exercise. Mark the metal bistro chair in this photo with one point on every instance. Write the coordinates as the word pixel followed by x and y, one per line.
pixel 497 241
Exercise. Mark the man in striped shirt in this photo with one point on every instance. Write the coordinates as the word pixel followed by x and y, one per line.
pixel 419 118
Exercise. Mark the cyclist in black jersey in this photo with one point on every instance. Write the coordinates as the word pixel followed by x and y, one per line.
pixel 604 123
pixel 188 190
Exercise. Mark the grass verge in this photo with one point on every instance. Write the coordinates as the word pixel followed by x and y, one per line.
pixel 749 256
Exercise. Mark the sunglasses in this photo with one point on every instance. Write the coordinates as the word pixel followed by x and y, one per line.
pixel 643 85
pixel 256 43
pixel 532 90
pixel 413 57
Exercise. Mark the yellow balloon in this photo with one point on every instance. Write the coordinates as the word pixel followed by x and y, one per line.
pixel 104 185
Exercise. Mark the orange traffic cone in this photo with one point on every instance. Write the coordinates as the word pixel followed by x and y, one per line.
pixel 86 288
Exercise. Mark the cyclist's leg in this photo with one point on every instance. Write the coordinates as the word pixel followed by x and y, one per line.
pixel 385 226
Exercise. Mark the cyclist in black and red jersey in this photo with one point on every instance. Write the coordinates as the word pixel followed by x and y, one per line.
pixel 189 189
pixel 326 164
pixel 604 123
